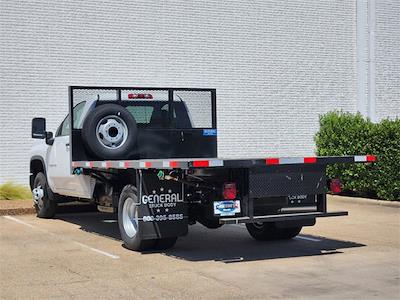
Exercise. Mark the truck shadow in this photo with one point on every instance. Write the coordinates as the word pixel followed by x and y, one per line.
pixel 228 244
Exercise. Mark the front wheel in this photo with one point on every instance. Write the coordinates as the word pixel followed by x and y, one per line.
pixel 43 197
pixel 269 231
pixel 128 221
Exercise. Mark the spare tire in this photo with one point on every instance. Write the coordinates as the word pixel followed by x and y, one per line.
pixel 110 132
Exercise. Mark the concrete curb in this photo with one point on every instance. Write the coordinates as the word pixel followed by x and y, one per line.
pixel 17 211
pixel 16 207
pixel 365 201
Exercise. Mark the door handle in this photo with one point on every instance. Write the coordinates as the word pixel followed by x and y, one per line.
pixel 182 137
pixel 67 145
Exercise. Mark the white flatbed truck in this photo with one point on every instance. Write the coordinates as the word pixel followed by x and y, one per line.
pixel 150 154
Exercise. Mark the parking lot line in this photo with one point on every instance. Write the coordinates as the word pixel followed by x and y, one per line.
pixel 62 238
pixel 18 221
pixel 97 250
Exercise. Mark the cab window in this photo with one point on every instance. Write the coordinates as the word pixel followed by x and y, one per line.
pixel 64 128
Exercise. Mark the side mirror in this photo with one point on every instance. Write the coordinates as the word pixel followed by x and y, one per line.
pixel 49 138
pixel 39 131
pixel 39 128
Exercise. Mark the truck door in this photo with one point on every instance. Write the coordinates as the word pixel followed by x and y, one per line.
pixel 59 163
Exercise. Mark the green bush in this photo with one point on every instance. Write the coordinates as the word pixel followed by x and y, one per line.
pixel 13 191
pixel 343 133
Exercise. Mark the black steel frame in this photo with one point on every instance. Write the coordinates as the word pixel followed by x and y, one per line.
pixel 170 97
pixel 119 90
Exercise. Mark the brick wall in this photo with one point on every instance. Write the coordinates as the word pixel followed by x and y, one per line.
pixel 276 65
pixel 387 58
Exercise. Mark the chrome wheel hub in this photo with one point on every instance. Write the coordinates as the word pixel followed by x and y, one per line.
pixel 112 132
pixel 130 217
pixel 38 194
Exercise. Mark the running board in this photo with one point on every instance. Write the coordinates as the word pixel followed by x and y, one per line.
pixel 282 217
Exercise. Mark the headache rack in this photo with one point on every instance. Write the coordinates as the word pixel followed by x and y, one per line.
pixel 171 122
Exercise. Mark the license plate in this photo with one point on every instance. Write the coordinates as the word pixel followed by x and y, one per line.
pixel 226 207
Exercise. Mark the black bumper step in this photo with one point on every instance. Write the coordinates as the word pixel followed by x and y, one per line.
pixel 282 217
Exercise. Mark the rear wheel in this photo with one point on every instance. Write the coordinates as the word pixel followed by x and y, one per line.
pixel 269 231
pixel 43 197
pixel 163 244
pixel 128 221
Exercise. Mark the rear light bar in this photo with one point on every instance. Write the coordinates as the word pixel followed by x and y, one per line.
pixel 365 158
pixel 229 191
pixel 201 163
pixel 272 161
pixel 310 160
pixel 140 96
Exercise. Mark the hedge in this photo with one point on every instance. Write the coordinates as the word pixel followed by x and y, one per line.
pixel 344 133
pixel 13 191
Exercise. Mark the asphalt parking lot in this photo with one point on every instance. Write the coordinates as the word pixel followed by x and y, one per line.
pixel 79 255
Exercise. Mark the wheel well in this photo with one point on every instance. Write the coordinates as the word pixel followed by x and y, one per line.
pixel 36 167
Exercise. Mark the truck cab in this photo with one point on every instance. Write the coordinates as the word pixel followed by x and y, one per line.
pixel 165 128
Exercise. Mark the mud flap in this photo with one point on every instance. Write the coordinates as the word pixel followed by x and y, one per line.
pixel 162 210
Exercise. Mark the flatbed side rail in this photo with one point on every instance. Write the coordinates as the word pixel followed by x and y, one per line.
pixel 189 163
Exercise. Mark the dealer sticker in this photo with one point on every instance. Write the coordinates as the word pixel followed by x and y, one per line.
pixel 227 207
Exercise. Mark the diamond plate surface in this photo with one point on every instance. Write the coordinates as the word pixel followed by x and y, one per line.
pixel 278 181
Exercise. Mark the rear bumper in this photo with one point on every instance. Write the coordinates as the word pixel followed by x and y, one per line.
pixel 282 217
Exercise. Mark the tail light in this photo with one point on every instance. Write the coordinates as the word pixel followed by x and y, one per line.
pixel 336 186
pixel 229 191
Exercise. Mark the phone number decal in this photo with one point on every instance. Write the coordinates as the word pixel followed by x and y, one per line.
pixel 157 218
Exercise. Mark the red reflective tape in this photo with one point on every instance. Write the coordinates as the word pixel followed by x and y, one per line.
pixel 126 164
pixel 201 163
pixel 310 160
pixel 173 164
pixel 272 161
pixel 371 158
pixel 74 164
pixel 147 164
pixel 108 164
pixel 90 164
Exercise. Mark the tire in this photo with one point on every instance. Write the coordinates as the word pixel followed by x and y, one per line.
pixel 164 244
pixel 43 198
pixel 128 222
pixel 110 132
pixel 269 232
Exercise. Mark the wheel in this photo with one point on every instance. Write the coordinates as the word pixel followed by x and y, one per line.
pixel 128 214
pixel 43 197
pixel 163 244
pixel 268 231
pixel 110 132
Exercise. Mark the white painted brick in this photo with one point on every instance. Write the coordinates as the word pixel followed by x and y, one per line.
pixel 276 65
pixel 387 57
